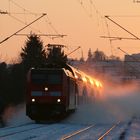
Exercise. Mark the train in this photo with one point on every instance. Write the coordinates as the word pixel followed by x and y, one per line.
pixel 53 92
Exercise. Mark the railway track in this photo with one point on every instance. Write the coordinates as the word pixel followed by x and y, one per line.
pixel 108 131
pixel 30 131
pixel 77 132
pixel 18 129
pixel 62 131
pixel 104 132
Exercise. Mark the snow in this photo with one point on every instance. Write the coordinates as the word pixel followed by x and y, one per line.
pixel 133 132
pixel 119 104
pixel 81 119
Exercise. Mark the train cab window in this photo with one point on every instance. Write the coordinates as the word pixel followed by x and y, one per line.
pixel 38 78
pixel 54 79
pixel 50 78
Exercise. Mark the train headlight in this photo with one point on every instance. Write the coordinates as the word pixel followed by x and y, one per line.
pixel 46 88
pixel 33 100
pixel 58 100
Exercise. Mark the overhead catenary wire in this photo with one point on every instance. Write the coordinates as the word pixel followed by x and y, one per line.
pixel 74 50
pixel 21 7
pixel 89 12
pixel 17 19
pixel 122 27
pixel 53 35
pixel 110 41
pixel 118 38
pixel 25 12
pixel 136 1
pixel 85 10
pixel 48 21
pixel 98 15
pixel 128 54
pixel 125 16
pixel 22 28
pixel 25 23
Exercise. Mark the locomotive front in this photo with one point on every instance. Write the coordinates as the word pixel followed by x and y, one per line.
pixel 45 93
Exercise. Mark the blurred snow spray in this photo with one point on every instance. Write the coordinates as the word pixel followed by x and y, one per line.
pixel 15 115
pixel 115 102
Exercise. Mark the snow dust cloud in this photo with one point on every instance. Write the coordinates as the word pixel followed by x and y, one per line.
pixel 15 115
pixel 115 102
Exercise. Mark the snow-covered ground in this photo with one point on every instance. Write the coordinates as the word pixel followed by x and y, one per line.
pixel 58 131
pixel 115 104
pixel 20 127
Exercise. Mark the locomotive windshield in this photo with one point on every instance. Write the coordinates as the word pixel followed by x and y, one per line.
pixel 46 76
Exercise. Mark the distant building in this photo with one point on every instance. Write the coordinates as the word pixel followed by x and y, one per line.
pixel 132 65
pixel 133 57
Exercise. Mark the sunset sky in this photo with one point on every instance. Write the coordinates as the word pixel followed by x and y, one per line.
pixel 82 21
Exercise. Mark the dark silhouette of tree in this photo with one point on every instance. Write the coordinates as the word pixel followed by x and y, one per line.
pixel 90 56
pixel 99 56
pixel 112 57
pixel 17 80
pixel 3 80
pixel 33 54
pixel 4 77
pixel 56 56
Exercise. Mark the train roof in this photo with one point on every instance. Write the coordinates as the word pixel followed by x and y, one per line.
pixel 72 72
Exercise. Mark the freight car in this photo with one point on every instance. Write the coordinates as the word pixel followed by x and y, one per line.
pixel 53 92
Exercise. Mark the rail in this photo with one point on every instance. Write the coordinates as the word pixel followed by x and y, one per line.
pixel 77 132
pixel 108 131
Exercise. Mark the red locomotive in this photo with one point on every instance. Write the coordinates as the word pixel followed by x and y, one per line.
pixel 56 91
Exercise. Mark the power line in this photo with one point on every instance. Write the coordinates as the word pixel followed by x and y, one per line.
pixel 110 41
pixel 82 5
pixel 21 7
pixel 128 54
pixel 22 28
pixel 136 60
pixel 118 38
pixel 74 50
pixel 52 35
pixel 136 1
pixel 17 19
pixel 122 27
pixel 125 16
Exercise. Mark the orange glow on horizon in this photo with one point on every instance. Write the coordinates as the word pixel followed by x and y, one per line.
pixel 68 17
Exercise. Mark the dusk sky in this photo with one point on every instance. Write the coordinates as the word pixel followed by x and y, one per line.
pixel 82 21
